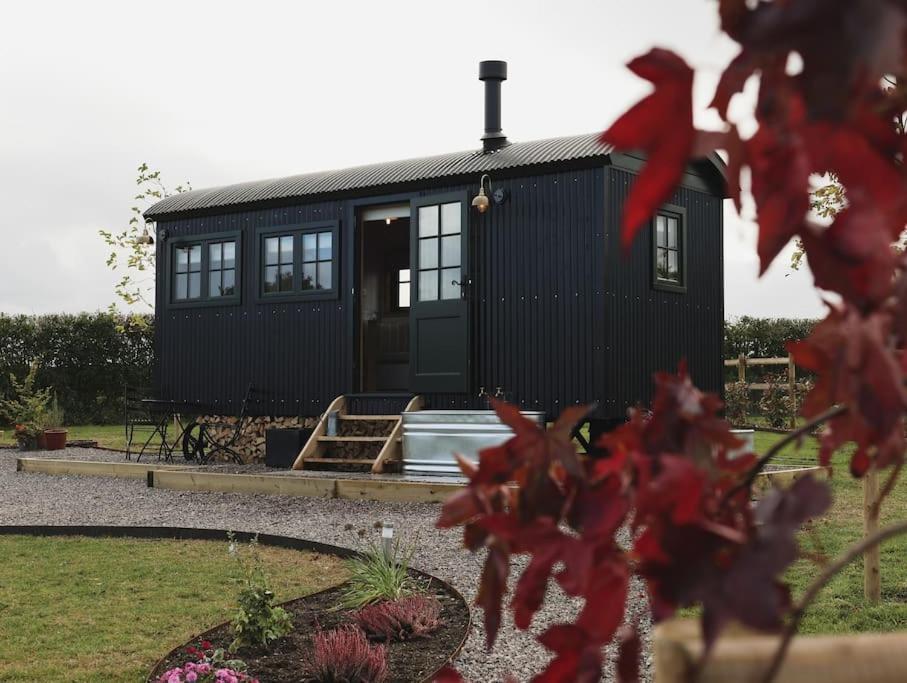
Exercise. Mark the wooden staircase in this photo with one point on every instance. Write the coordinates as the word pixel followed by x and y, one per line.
pixel 363 442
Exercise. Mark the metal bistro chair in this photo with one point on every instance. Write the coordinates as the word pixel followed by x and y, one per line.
pixel 142 423
pixel 203 441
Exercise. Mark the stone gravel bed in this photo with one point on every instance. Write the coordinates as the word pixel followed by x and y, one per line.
pixel 45 499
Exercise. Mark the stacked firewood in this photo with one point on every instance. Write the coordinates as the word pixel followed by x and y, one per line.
pixel 251 442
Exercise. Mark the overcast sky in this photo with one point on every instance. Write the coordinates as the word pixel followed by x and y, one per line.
pixel 221 92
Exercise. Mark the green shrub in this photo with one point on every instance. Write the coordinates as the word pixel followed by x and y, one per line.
pixel 378 575
pixel 86 358
pixel 258 621
pixel 737 403
pixel 776 403
pixel 27 409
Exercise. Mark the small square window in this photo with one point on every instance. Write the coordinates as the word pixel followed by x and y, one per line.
pixel 668 250
pixel 300 262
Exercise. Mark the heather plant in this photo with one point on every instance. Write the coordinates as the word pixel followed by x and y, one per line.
pixel 378 574
pixel 416 616
pixel 344 655
pixel 258 621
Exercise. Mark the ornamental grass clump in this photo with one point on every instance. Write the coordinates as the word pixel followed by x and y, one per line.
pixel 378 574
pixel 258 621
pixel 344 655
pixel 416 616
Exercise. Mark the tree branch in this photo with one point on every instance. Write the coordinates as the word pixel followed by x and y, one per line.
pixel 855 551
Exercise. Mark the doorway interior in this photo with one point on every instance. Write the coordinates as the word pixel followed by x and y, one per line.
pixel 384 298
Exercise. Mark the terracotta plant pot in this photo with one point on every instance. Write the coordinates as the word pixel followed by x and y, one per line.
pixel 55 439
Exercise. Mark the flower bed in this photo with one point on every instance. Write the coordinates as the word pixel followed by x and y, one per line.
pixel 290 658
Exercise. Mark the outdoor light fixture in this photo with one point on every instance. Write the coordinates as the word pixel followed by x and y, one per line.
pixel 145 237
pixel 480 201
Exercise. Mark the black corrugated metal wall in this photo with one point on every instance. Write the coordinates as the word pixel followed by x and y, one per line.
pixel 559 316
pixel 648 330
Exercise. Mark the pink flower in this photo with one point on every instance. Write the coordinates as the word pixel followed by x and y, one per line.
pixel 191 677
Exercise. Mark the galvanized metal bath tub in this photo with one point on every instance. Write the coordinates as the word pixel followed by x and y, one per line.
pixel 431 437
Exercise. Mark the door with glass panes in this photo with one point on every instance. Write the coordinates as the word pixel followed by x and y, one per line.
pixel 439 311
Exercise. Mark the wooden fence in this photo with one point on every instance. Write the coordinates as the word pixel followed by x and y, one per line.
pixel 872 581
pixel 742 362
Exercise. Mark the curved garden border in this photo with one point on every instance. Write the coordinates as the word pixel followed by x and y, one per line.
pixel 201 534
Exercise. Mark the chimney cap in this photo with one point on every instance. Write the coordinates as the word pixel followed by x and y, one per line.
pixel 492 69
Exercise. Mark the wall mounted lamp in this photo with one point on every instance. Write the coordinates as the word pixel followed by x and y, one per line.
pixel 481 201
pixel 145 238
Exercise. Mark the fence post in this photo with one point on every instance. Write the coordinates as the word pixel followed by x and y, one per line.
pixel 872 579
pixel 792 391
pixel 741 368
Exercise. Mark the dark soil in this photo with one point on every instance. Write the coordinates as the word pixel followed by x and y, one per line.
pixel 285 661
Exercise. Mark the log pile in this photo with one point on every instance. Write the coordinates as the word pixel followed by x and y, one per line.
pixel 251 442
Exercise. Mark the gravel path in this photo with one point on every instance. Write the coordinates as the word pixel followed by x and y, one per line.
pixel 43 499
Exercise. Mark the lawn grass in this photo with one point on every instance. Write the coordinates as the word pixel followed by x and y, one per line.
pixel 108 436
pixel 88 609
pixel 840 607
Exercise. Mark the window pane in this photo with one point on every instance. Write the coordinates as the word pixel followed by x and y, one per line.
pixel 428 221
pixel 404 275
pixel 181 288
pixel 214 252
pixel 403 295
pixel 450 218
pixel 448 289
pixel 450 251
pixel 661 263
pixel 672 233
pixel 272 281
pixel 229 255
pixel 214 283
pixel 309 275
pixel 673 269
pixel 309 251
pixel 428 285
pixel 229 282
pixel 660 231
pixel 195 257
pixel 428 253
pixel 324 275
pixel 195 284
pixel 324 246
pixel 286 249
pixel 182 260
pixel 286 278
pixel 271 250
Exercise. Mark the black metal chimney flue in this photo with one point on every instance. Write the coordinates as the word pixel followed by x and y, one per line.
pixel 493 73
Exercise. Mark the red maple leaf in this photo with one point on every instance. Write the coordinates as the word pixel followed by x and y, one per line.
pixel 660 125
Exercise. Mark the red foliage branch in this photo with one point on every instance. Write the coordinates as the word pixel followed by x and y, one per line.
pixel 668 478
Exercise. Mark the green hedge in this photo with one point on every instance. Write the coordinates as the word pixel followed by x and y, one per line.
pixel 86 358
pixel 763 337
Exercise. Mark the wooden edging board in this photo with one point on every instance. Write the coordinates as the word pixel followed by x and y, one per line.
pixel 744 656
pixel 314 487
pixel 91 468
pixel 180 478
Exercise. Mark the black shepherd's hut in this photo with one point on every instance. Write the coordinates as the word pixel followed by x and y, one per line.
pixel 495 271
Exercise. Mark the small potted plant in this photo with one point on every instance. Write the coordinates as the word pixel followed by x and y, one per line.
pixel 27 410
pixel 54 432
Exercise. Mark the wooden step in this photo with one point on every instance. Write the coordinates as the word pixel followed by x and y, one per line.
pixel 370 417
pixel 352 439
pixel 339 461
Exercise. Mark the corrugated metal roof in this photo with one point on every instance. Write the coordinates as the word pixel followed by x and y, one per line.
pixel 390 173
